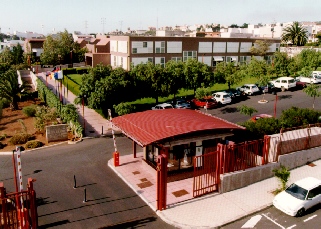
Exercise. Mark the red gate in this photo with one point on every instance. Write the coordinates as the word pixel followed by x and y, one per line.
pixel 206 173
pixel 18 210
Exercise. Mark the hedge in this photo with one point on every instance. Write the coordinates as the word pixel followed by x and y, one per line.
pixel 66 112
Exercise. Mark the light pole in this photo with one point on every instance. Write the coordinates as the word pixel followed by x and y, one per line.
pixel 83 113
pixel 71 59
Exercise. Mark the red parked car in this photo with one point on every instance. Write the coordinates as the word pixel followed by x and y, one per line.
pixel 206 103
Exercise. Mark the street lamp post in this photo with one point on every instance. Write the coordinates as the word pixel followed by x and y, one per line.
pixel 83 113
pixel 71 59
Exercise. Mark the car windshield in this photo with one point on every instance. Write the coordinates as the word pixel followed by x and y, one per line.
pixel 291 81
pixel 297 191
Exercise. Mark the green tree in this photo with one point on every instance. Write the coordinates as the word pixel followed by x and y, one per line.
pixel 308 58
pixel 10 89
pixel 6 56
pixel 259 70
pixel 226 73
pixel 246 110
pixel 313 91
pixel 280 63
pixel 283 175
pixel 202 92
pixel 295 33
pixel 295 116
pixel 155 78
pixel 174 72
pixel 197 74
pixel 260 47
pixel 17 53
pixel 306 71
pixel 56 50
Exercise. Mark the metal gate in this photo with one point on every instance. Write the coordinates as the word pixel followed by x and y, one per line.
pixel 18 210
pixel 206 173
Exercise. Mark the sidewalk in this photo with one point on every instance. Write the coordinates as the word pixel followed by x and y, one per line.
pixel 95 125
pixel 209 211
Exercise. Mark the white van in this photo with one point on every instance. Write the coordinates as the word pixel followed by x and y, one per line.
pixel 284 83
pixel 315 78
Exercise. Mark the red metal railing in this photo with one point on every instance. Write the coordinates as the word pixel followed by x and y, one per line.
pixel 206 173
pixel 243 156
pixel 18 209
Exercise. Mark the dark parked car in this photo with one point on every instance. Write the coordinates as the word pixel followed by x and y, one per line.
pixel 234 94
pixel 268 88
pixel 181 104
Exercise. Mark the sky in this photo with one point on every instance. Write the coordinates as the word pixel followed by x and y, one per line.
pixel 102 16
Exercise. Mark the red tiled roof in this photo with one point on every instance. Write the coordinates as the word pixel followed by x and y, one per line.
pixel 154 125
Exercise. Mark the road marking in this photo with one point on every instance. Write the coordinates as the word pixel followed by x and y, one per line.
pixel 273 221
pixel 311 217
pixel 291 226
pixel 252 222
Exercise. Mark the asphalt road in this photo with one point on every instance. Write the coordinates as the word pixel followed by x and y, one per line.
pixel 110 202
pixel 273 218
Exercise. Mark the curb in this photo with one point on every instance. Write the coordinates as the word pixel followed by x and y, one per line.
pixel 26 151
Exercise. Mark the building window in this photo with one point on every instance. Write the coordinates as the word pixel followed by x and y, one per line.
pixel 150 59
pixel 115 61
pixel 121 61
pixel 144 44
pixel 189 54
pixel 134 50
pixel 160 47
pixel 176 59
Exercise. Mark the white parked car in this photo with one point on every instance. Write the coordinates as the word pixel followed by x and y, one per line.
pixel 162 106
pixel 222 97
pixel 249 89
pixel 284 83
pixel 299 196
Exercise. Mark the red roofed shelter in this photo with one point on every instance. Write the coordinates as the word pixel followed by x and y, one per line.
pixel 181 134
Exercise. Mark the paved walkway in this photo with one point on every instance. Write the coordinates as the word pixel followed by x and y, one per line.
pixel 209 211
pixel 95 125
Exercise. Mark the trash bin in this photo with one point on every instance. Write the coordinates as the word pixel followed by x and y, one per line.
pixel 116 158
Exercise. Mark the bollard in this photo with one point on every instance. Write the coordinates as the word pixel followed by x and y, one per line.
pixel 75 184
pixel 116 158
pixel 85 199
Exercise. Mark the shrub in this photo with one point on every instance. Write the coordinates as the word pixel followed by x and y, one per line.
pixel 124 108
pixel 4 136
pixel 30 111
pixel 283 175
pixel 2 145
pixel 21 138
pixel 33 144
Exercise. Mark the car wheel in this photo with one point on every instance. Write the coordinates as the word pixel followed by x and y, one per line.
pixel 282 88
pixel 249 93
pixel 300 212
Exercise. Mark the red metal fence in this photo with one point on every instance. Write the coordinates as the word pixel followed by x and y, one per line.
pixel 18 210
pixel 243 156
pixel 206 173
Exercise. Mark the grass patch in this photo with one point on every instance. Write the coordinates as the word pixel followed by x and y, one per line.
pixel 73 82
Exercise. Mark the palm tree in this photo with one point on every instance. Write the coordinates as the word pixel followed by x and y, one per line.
pixel 10 88
pixel 296 34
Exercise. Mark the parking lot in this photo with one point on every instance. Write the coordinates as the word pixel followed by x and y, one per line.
pixel 282 101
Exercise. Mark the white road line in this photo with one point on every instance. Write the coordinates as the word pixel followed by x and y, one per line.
pixel 273 221
pixel 252 222
pixel 311 217
pixel 291 226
